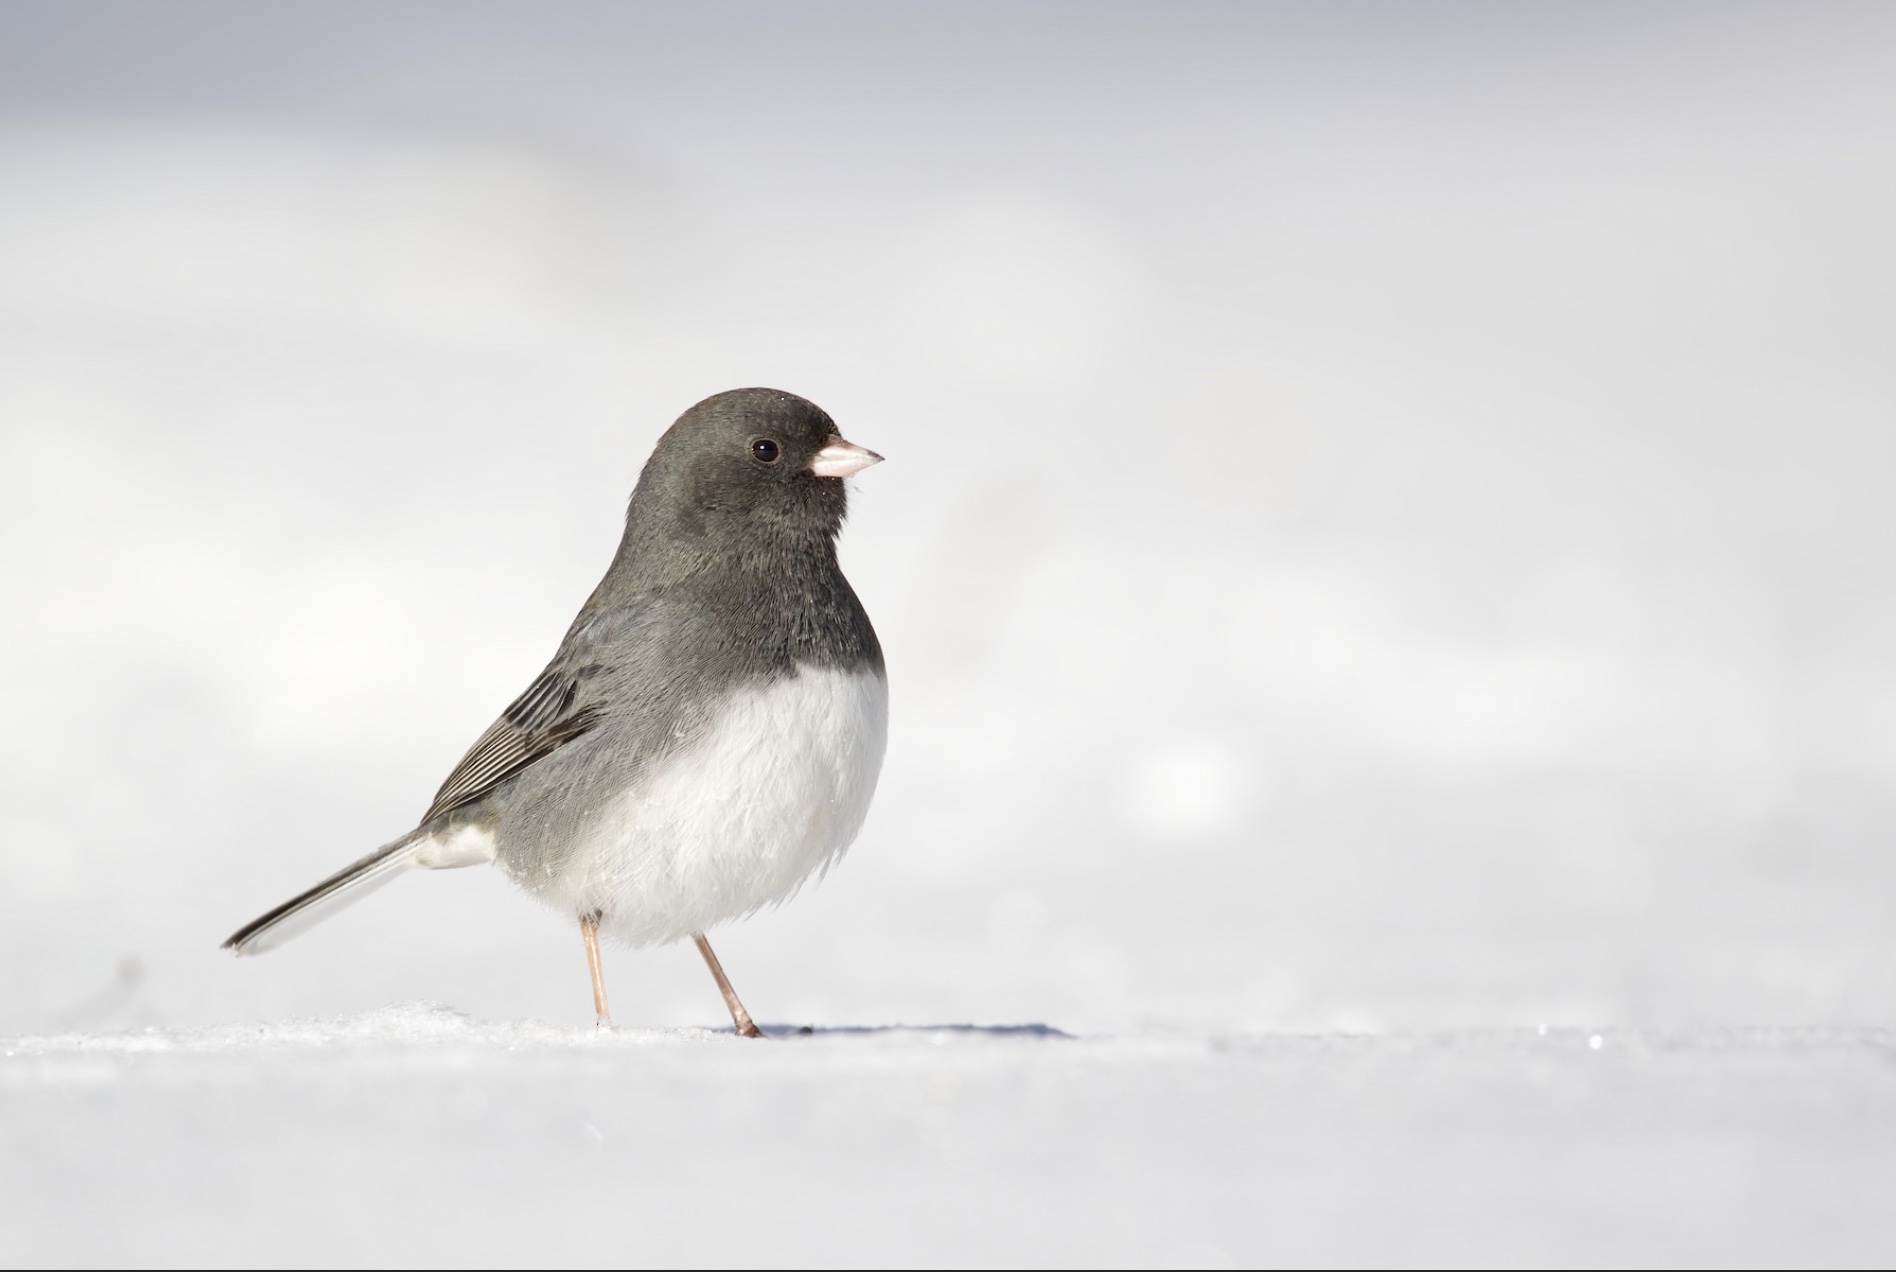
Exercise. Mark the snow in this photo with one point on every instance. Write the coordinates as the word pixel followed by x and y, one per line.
pixel 418 1134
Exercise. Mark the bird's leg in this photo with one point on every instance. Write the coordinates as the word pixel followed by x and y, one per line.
pixel 589 929
pixel 746 1028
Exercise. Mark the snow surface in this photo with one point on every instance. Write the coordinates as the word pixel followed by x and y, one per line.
pixel 418 1134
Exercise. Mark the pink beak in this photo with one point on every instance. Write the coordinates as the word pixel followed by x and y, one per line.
pixel 842 459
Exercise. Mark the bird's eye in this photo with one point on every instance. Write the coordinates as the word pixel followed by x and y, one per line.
pixel 765 450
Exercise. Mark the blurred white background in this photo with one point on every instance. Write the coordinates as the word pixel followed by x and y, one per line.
pixel 1388 520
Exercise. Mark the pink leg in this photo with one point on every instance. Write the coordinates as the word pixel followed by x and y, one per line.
pixel 589 929
pixel 746 1028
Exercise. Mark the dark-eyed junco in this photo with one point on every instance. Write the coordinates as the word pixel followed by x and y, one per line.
pixel 708 735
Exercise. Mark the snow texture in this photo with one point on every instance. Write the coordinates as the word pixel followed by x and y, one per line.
pixel 416 1134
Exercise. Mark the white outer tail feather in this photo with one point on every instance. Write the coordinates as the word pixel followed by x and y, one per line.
pixel 464 846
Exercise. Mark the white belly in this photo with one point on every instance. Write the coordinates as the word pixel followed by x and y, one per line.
pixel 772 793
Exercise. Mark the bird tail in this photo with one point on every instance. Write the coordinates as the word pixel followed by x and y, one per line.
pixel 347 886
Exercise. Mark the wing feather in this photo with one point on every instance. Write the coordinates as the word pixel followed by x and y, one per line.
pixel 539 722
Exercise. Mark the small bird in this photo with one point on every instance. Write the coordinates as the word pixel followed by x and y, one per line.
pixel 710 732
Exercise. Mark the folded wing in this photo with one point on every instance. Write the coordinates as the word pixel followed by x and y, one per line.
pixel 540 721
